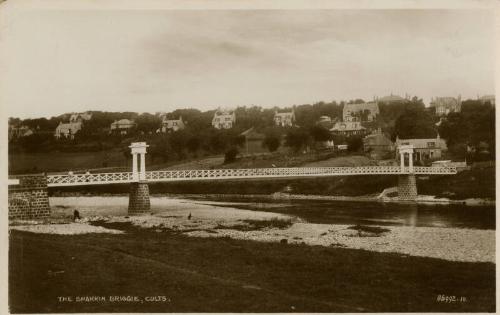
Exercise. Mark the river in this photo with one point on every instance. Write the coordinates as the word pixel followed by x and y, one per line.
pixel 313 211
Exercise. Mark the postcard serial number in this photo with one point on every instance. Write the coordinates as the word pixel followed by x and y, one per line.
pixel 451 298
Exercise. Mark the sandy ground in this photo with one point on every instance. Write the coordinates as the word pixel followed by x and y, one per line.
pixel 64 229
pixel 211 220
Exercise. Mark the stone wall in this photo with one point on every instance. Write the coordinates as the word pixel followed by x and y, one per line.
pixel 29 199
pixel 138 201
pixel 407 187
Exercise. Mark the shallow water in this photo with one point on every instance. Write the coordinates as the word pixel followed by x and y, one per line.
pixel 371 213
pixel 314 211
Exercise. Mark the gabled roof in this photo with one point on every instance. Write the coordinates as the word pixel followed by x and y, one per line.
pixel 422 143
pixel 69 126
pixel 487 97
pixel 371 106
pixel 347 126
pixel 391 98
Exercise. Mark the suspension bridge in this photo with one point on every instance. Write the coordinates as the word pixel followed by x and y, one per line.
pixel 139 178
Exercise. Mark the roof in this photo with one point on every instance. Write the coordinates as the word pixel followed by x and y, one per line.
pixel 69 126
pixel 371 106
pixel 377 139
pixel 391 98
pixel 224 112
pixel 347 126
pixel 422 143
pixel 285 114
pixel 487 97
pixel 123 122
pixel 446 100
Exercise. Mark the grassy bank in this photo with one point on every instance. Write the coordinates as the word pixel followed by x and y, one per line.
pixel 225 275
pixel 475 183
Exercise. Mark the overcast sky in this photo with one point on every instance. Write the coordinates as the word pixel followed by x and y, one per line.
pixel 65 61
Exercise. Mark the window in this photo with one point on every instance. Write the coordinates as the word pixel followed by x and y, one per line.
pixel 431 144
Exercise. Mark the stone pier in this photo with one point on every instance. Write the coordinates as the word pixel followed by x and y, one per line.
pixel 28 197
pixel 407 183
pixel 138 201
pixel 407 187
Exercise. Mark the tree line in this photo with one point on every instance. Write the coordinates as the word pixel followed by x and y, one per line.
pixel 472 128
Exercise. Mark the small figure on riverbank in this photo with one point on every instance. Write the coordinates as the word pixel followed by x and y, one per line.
pixel 189 216
pixel 76 215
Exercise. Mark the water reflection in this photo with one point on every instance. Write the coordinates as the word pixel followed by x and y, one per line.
pixel 345 212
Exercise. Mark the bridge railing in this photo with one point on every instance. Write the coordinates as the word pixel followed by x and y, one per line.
pixel 87 179
pixel 179 175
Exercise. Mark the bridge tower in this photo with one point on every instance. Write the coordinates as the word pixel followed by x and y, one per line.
pixel 138 201
pixel 407 183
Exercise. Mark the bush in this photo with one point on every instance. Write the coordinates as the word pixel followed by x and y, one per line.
pixel 230 155
pixel 271 142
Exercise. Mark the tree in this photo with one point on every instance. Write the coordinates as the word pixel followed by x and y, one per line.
pixel 354 144
pixel 415 122
pixel 272 141
pixel 473 125
pixel 297 139
pixel 230 155
pixel 320 134
pixel 193 144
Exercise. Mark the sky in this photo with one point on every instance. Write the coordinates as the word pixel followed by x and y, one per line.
pixel 58 61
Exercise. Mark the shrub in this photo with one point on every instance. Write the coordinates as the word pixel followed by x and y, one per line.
pixel 230 155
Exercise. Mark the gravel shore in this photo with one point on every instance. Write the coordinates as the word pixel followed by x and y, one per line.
pixel 212 220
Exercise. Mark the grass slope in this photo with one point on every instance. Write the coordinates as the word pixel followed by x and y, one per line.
pixel 225 275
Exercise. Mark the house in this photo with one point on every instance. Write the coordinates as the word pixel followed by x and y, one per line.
pixel 487 98
pixel 286 119
pixel 122 126
pixel 224 119
pixel 424 149
pixel 348 128
pixel 16 132
pixel 360 112
pixel 378 145
pixel 67 130
pixel 392 99
pixel 253 141
pixel 172 125
pixel 446 105
pixel 80 117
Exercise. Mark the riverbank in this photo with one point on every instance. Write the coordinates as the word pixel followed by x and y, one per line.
pixel 224 274
pixel 216 219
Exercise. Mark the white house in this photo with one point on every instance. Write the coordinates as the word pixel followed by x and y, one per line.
pixel 424 149
pixel 172 125
pixel 122 126
pixel 224 119
pixel 285 119
pixel 67 130
pixel 487 98
pixel 360 112
pixel 348 128
pixel 446 105
pixel 80 117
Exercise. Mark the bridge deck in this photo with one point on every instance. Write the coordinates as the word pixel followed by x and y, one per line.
pixel 221 174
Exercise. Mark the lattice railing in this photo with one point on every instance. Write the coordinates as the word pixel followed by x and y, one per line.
pixel 88 179
pixel 180 175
